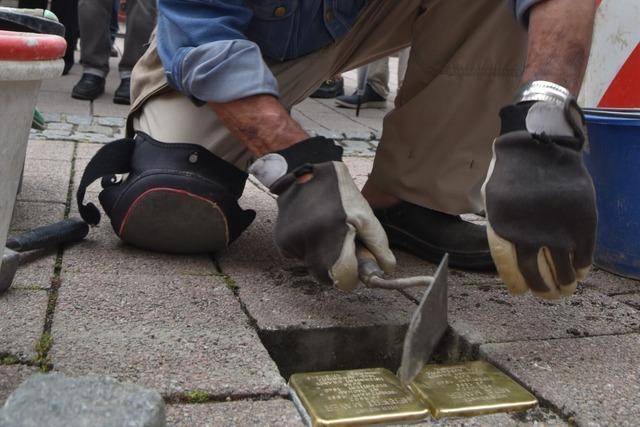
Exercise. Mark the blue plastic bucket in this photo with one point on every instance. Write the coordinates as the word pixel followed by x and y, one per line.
pixel 614 164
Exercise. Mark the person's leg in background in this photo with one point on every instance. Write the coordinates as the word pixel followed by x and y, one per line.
pixel 436 144
pixel 114 27
pixel 373 87
pixel 141 20
pixel 94 17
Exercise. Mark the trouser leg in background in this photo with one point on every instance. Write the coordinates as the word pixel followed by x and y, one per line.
pixel 94 17
pixel 376 75
pixel 141 20
pixel 436 143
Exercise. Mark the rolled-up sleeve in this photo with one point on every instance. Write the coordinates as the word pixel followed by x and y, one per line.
pixel 205 53
pixel 521 9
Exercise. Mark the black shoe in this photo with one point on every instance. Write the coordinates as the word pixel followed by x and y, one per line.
pixel 369 99
pixel 88 88
pixel 429 234
pixel 329 89
pixel 123 93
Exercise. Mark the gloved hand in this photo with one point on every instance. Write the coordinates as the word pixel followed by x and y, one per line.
pixel 321 212
pixel 540 200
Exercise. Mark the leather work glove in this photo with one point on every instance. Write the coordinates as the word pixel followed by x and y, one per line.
pixel 539 198
pixel 321 212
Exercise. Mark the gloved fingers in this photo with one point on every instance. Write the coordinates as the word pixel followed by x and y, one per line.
pixel 344 272
pixel 565 273
pixel 505 258
pixel 538 271
pixel 373 237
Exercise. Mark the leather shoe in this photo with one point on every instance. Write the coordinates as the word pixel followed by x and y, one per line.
pixel 123 93
pixel 429 234
pixel 88 88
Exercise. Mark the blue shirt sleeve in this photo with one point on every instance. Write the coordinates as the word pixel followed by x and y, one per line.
pixel 205 53
pixel 521 9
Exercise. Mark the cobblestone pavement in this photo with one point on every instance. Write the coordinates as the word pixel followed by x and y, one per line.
pixel 217 336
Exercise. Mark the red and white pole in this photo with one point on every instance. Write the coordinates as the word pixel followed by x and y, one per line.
pixel 613 75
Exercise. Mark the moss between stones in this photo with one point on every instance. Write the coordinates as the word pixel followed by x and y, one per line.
pixel 42 352
pixel 196 396
pixel 8 360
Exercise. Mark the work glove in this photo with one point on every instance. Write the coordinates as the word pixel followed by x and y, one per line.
pixel 321 213
pixel 540 200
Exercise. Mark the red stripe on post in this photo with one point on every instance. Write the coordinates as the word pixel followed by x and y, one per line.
pixel 624 91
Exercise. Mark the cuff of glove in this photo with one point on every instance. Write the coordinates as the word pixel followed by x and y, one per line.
pixel 293 161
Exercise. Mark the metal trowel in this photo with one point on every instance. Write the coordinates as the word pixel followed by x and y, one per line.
pixel 428 323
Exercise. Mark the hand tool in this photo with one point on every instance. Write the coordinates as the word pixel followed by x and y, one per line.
pixel 66 231
pixel 428 323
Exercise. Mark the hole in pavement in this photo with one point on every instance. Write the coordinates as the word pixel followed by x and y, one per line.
pixel 331 349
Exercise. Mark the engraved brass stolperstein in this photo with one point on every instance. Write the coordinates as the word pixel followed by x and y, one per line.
pixel 355 398
pixel 376 396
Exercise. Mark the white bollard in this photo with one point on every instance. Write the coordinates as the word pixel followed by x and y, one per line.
pixel 25 60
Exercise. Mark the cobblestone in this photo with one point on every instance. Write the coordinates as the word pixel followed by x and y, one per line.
pixel 79 120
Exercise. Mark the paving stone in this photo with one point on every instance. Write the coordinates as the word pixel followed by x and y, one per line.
pixel 630 299
pixel 59 401
pixel 28 215
pixel 484 314
pixel 610 284
pixel 56 134
pixel 45 180
pixel 358 148
pixel 110 121
pixel 169 333
pixel 90 137
pixel 61 102
pixel 79 119
pixel 86 151
pixel 104 106
pixel 102 252
pixel 23 313
pixel 59 126
pixel 11 377
pixel 535 416
pixel 50 150
pixel 36 269
pixel 104 130
pixel 278 412
pixel 593 380
pixel 51 117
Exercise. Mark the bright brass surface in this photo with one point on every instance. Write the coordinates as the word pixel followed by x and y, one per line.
pixel 469 389
pixel 355 398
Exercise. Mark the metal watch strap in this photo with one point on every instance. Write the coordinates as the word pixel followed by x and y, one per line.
pixel 540 90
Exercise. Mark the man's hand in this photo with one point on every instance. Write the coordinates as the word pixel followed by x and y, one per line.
pixel 321 211
pixel 540 200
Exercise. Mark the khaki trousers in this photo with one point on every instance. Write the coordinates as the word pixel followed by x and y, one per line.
pixel 465 64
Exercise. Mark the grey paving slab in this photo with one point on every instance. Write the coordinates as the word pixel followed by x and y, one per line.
pixel 278 412
pixel 484 314
pixel 593 380
pixel 610 284
pixel 102 252
pixel 23 314
pixel 45 180
pixel 50 150
pixel 61 102
pixel 63 84
pixel 28 215
pixel 632 300
pixel 104 106
pixel 36 270
pixel 85 151
pixel 11 377
pixel 171 333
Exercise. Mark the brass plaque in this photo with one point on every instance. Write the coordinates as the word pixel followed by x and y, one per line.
pixel 469 389
pixel 355 398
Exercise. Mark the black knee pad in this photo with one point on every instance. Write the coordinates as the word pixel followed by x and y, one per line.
pixel 175 198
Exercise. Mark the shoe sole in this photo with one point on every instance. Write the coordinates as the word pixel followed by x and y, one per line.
pixel 84 97
pixel 172 221
pixel 370 104
pixel 400 239
pixel 121 100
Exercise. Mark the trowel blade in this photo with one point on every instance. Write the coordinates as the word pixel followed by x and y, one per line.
pixel 428 325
